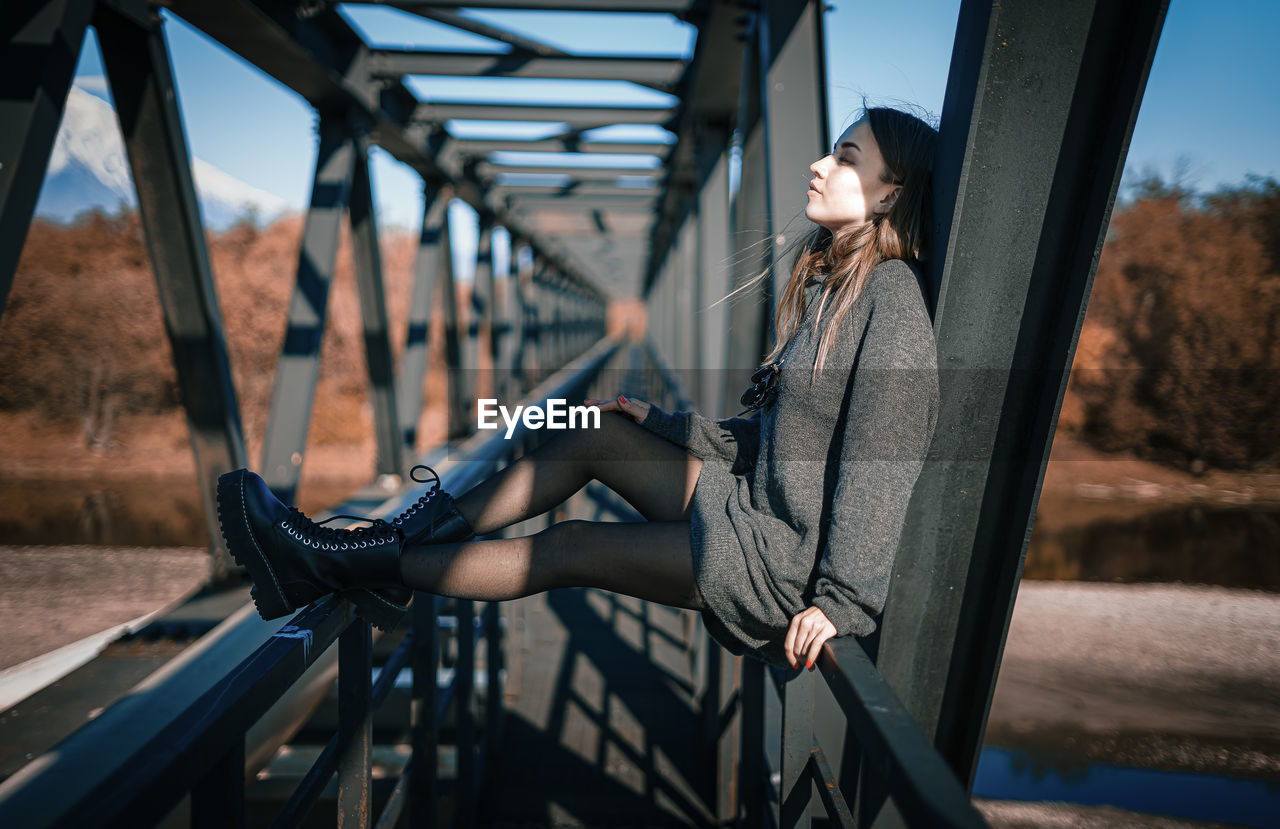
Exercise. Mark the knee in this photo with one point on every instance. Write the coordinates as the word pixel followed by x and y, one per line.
pixel 559 545
pixel 590 443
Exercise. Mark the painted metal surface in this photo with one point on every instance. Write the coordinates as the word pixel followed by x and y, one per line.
pixel 136 61
pixel 1040 105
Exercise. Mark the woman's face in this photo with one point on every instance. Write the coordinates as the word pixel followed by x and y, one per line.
pixel 847 189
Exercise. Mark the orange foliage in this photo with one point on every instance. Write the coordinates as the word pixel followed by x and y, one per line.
pixel 1178 353
pixel 82 336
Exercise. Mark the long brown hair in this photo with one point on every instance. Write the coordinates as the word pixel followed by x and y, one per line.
pixel 907 144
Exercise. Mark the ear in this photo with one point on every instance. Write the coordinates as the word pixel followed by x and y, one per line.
pixel 886 204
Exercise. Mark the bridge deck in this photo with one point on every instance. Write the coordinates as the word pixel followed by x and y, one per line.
pixel 602 727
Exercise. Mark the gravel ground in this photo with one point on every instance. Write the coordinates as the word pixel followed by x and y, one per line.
pixel 1164 675
pixel 53 596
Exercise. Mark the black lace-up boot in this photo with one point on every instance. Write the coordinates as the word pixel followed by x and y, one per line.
pixel 432 519
pixel 294 561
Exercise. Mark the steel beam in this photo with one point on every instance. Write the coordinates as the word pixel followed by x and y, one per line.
pixel 299 364
pixel 676 7
pixel 579 117
pixel 457 345
pixel 1040 105
pixel 355 726
pixel 564 144
pixel 424 725
pixel 488 170
pixel 714 273
pixel 39 49
pixel 137 65
pixel 796 805
pixel 323 59
pixel 521 201
pixel 573 190
pixel 794 116
pixel 655 72
pixel 710 98
pixel 373 313
pixel 520 43
pixel 432 248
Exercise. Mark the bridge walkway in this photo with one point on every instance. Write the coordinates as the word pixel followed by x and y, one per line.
pixel 602 725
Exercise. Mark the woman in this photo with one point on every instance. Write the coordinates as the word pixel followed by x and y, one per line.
pixel 781 528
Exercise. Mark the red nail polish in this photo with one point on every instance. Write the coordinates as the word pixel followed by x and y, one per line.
pixel 809 665
pixel 623 399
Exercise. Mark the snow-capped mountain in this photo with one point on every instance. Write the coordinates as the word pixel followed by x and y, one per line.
pixel 88 168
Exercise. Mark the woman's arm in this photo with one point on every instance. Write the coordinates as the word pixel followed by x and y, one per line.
pixel 735 440
pixel 893 406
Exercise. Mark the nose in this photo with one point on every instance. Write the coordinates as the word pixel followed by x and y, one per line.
pixel 818 166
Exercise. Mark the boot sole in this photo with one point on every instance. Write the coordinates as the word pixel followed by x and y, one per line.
pixel 383 614
pixel 267 595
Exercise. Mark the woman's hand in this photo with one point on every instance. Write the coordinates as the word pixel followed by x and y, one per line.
pixel 809 629
pixel 637 409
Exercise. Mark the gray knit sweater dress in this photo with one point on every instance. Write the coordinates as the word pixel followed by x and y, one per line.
pixel 802 504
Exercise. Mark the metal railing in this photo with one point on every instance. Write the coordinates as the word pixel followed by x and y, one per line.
pixel 183 731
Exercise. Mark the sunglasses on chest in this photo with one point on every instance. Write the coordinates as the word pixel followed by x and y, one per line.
pixel 764 388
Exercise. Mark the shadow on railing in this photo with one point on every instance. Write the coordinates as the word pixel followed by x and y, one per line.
pixel 885 752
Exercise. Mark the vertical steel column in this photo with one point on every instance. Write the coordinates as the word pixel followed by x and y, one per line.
pixel 794 112
pixel 424 726
pixel 538 310
pixel 506 329
pixel 464 714
pixel 725 728
pixel 479 316
pixel 40 44
pixel 1040 105
pixel 525 339
pixel 299 365
pixel 782 117
pixel 750 317
pixel 373 314
pixel 796 802
pixel 557 323
pixel 413 362
pixel 493 701
pixel 136 61
pixel 455 347
pixel 355 725
pixel 751 780
pixel 712 325
pixel 217 800
pixel 688 355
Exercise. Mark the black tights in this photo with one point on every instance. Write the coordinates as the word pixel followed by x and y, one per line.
pixel 648 560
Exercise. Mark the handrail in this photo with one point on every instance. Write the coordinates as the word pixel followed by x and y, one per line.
pixel 148 775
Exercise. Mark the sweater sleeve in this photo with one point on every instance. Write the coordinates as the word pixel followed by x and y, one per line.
pixel 892 410
pixel 735 440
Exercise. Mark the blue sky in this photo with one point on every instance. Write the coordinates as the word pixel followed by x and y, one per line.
pixel 1211 98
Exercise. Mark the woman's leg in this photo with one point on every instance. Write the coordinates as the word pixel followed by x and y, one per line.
pixel 649 560
pixel 654 475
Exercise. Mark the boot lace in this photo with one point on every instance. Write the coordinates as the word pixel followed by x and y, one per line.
pixel 317 536
pixel 422 502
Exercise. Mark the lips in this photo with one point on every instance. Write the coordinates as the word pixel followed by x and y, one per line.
pixel 813 188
